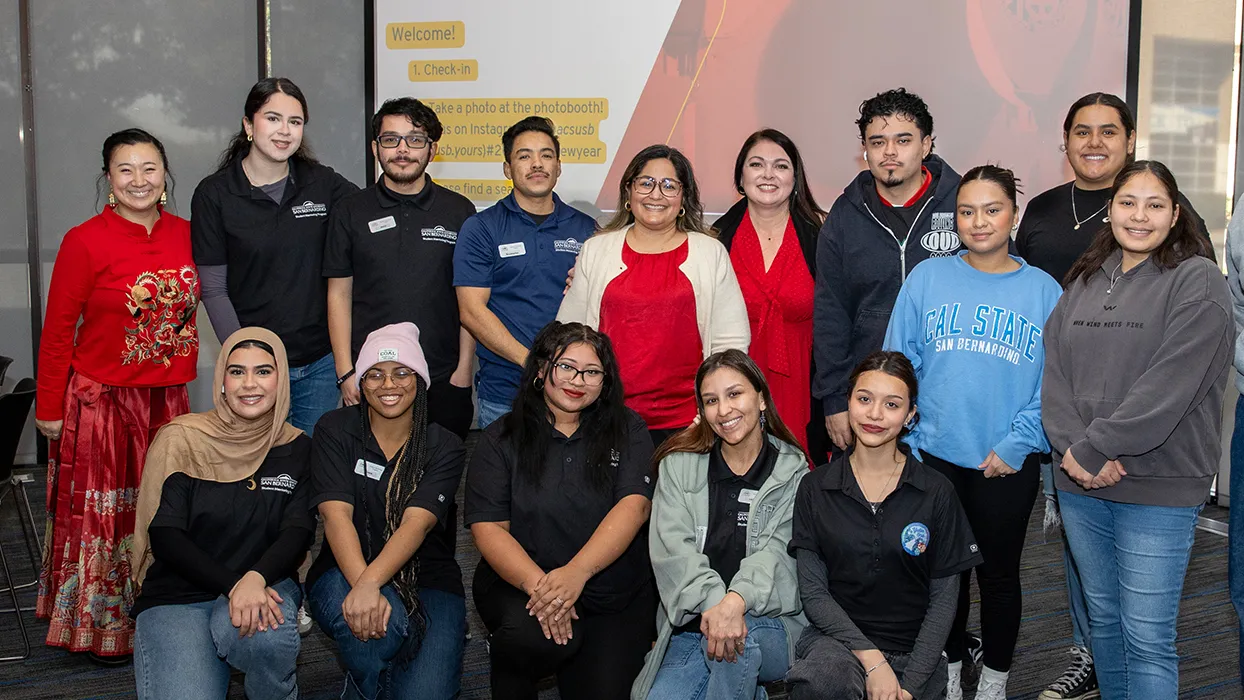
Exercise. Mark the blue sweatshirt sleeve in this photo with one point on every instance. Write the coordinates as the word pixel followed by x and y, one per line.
pixel 1026 435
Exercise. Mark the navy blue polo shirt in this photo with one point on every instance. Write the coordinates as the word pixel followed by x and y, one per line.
pixel 525 266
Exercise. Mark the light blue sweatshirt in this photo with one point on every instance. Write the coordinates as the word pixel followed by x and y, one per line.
pixel 975 341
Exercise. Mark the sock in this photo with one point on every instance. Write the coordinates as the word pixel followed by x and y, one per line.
pixel 988 675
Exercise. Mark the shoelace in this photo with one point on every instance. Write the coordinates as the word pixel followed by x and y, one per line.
pixel 1075 674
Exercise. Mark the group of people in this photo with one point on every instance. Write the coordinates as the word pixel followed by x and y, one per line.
pixel 711 457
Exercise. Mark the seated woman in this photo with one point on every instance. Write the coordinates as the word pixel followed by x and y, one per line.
pixel 557 494
pixel 880 607
pixel 385 585
pixel 721 520
pixel 221 527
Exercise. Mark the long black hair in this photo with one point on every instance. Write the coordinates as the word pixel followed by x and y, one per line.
pixel 604 423
pixel 412 460
pixel 133 137
pixel 239 146
pixel 802 204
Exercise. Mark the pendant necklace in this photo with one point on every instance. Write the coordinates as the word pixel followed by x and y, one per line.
pixel 1077 218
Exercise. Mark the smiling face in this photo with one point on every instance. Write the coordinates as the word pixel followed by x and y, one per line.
pixel 985 215
pixel 533 165
pixel 768 174
pixel 1142 214
pixel 276 129
pixel 251 381
pixel 879 406
pixel 658 209
pixel 732 405
pixel 1097 146
pixel 895 149
pixel 575 379
pixel 136 175
pixel 389 388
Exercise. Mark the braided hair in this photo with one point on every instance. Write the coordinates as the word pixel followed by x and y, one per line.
pixel 412 460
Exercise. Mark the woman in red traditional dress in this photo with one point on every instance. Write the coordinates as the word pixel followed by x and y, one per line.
pixel 106 386
pixel 771 235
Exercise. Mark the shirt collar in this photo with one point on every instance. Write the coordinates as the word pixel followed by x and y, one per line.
pixel 240 185
pixel 719 471
pixel 511 202
pixel 119 223
pixel 388 198
pixel 840 477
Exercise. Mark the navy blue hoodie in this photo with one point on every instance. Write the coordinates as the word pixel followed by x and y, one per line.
pixel 861 264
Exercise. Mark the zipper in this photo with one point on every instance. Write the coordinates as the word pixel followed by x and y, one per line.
pixel 902 245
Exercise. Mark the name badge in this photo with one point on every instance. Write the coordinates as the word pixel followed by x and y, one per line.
pixel 747 495
pixel 371 470
pixel 512 250
pixel 384 224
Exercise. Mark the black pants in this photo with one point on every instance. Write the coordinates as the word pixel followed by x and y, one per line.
pixel 599 663
pixel 825 669
pixel 998 510
pixel 451 407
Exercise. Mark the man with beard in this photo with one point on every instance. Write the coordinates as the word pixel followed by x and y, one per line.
pixel 389 258
pixel 511 263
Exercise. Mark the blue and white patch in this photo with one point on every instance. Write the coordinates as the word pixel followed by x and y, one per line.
pixel 915 539
pixel 568 245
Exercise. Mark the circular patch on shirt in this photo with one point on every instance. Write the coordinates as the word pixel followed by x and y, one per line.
pixel 915 539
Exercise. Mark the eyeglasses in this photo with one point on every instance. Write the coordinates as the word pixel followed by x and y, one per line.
pixel 374 378
pixel 563 372
pixel 669 187
pixel 415 141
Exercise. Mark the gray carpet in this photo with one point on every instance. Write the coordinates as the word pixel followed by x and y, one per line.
pixel 1207 644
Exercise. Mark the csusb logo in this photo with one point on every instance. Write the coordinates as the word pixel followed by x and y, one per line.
pixel 942 241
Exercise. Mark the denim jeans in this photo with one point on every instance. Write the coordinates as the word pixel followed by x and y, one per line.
pixel 185 651
pixel 434 674
pixel 1235 566
pixel 1132 559
pixel 1076 605
pixel 489 412
pixel 312 392
pixel 686 671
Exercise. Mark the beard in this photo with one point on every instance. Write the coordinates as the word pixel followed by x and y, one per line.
pixel 403 177
pixel 893 180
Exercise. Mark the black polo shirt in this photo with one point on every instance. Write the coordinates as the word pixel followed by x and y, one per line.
pixel 400 251
pixel 553 518
pixel 347 469
pixel 234 525
pixel 880 565
pixel 274 251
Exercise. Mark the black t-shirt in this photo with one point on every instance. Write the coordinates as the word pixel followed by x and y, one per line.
pixel 880 565
pixel 553 518
pixel 538 218
pixel 274 251
pixel 400 251
pixel 233 524
pixel 344 468
pixel 1048 238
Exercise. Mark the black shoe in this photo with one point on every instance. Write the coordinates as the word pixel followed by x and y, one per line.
pixel 110 661
pixel 1078 682
pixel 972 663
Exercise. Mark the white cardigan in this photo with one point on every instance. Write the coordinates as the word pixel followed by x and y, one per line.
pixel 720 311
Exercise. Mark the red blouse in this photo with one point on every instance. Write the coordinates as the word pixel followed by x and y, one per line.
pixel 779 307
pixel 135 294
pixel 648 312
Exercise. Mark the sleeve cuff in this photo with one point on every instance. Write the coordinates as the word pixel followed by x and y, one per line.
pixel 834 403
pixel 331 496
pixel 1012 453
pixel 1088 456
pixel 488 516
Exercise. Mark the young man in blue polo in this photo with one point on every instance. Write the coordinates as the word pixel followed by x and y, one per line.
pixel 511 262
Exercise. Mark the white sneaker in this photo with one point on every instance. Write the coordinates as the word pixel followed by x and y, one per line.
pixel 990 688
pixel 954 687
pixel 304 622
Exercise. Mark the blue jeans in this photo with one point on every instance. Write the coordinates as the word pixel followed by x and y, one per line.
pixel 1133 559
pixel 312 392
pixel 1076 605
pixel 686 671
pixel 1235 565
pixel 185 651
pixel 489 412
pixel 434 674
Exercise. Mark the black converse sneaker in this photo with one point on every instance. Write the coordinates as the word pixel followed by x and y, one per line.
pixel 1078 682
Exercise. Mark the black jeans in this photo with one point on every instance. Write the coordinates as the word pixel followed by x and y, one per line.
pixel 600 662
pixel 825 669
pixel 451 407
pixel 998 510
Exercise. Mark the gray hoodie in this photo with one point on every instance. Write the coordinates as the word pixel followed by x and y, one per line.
pixel 1235 265
pixel 1135 367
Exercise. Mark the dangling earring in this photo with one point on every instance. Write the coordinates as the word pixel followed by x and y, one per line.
pixel 763 423
pixel 626 205
pixel 164 198
pixel 112 199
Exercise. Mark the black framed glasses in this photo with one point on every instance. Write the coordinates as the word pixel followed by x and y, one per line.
pixel 415 141
pixel 565 373
pixel 401 377
pixel 645 185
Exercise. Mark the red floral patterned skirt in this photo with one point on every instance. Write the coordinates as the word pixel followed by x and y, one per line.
pixel 93 475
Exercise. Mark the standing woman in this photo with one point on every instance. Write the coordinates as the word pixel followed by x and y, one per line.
pixel 663 292
pixel 971 326
pixel 1136 355
pixel 721 523
pixel 107 385
pixel 222 525
pixel 557 496
pixel 771 235
pixel 258 228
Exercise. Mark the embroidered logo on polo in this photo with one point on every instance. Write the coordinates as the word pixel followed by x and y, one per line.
pixel 283 483
pixel 440 234
pixel 915 539
pixel 942 241
pixel 568 245
pixel 309 208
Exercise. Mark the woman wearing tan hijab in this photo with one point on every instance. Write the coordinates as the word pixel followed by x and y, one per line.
pixel 223 522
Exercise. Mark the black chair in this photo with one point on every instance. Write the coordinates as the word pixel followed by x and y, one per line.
pixel 4 366
pixel 14 410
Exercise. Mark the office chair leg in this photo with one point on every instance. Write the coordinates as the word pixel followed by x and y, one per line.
pixel 17 483
pixel 21 623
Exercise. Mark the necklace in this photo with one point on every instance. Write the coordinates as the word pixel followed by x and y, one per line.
pixel 1077 217
pixel 874 505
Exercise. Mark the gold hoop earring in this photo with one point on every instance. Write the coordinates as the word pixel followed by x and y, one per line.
pixel 112 199
pixel 626 205
pixel 682 212
pixel 249 138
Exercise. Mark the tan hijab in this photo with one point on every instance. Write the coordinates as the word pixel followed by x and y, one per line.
pixel 217 445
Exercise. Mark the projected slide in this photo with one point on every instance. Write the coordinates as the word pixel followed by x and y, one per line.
pixel 702 74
